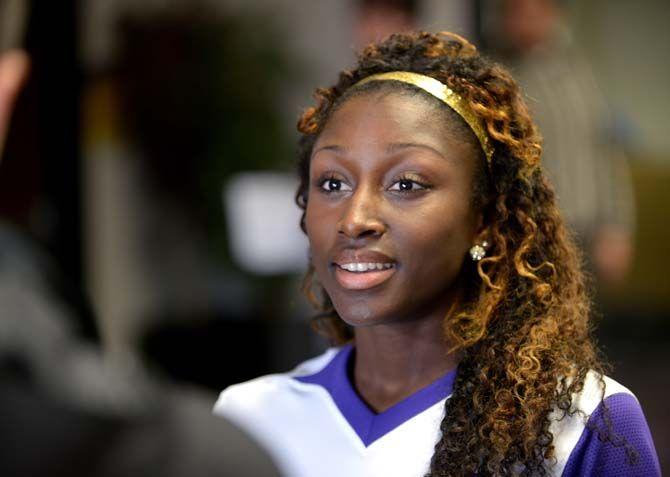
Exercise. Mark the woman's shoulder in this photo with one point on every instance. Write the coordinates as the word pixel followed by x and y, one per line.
pixel 253 393
pixel 605 432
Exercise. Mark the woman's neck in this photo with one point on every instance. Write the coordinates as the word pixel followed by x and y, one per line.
pixel 394 361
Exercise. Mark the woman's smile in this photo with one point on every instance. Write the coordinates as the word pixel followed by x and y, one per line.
pixel 361 279
pixel 362 269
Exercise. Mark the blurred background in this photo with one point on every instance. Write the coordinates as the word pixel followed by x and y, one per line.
pixel 146 185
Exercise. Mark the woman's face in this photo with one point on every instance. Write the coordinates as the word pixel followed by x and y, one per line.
pixel 389 215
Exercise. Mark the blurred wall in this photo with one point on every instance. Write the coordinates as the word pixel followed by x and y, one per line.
pixel 629 44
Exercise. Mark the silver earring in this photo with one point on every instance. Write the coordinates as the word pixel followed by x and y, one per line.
pixel 477 252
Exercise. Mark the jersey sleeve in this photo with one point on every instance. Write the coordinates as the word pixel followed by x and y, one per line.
pixel 237 402
pixel 629 450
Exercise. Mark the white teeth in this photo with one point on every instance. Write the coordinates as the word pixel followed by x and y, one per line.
pixel 364 267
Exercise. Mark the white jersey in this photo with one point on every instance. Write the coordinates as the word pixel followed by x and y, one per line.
pixel 313 423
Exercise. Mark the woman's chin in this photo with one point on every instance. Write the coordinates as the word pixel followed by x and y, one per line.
pixel 362 315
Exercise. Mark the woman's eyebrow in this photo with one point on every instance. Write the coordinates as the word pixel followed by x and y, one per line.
pixel 399 146
pixel 329 147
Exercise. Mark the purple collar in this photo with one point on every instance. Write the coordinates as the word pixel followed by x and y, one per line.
pixel 368 424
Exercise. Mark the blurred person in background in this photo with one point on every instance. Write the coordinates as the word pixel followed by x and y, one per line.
pixel 584 159
pixel 14 66
pixel 64 411
pixel 374 20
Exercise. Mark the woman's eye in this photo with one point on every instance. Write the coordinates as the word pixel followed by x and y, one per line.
pixel 334 185
pixel 406 185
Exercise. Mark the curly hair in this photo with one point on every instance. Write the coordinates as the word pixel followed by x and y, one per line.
pixel 522 324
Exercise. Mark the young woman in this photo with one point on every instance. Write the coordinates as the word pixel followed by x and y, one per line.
pixel 444 272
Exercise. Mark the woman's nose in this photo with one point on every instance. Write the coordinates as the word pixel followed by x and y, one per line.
pixel 361 216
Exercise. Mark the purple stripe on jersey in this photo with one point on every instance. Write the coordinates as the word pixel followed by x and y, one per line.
pixel 368 424
pixel 593 456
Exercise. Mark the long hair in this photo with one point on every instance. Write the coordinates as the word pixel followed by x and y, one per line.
pixel 522 325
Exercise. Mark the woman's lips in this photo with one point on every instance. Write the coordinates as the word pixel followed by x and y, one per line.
pixel 360 269
pixel 362 280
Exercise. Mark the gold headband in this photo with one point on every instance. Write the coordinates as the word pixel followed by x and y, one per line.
pixel 443 93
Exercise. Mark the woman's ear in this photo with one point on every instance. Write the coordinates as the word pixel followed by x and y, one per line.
pixel 482 231
pixel 481 242
pixel 482 239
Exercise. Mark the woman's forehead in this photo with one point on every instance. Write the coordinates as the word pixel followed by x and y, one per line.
pixel 390 117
